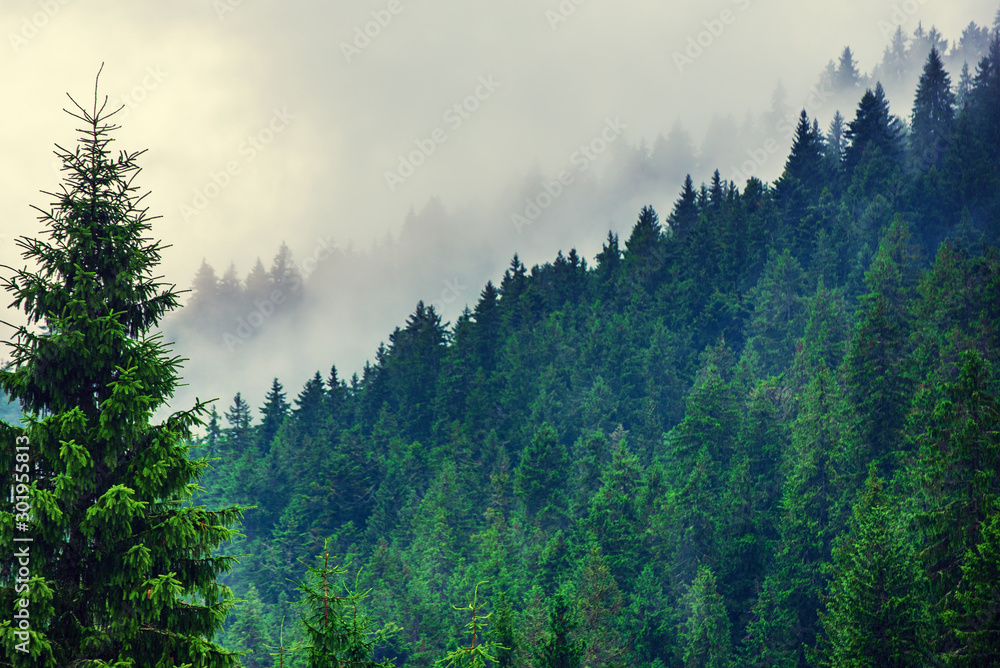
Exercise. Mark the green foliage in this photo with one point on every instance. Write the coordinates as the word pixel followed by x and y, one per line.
pixel 475 655
pixel 338 632
pixel 557 648
pixel 760 350
pixel 122 571
pixel 705 641
pixel 877 612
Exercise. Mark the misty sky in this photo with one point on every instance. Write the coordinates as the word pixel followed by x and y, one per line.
pixel 268 121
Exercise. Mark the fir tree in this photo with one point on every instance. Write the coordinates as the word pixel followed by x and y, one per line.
pixel 933 114
pixel 704 635
pixel 873 126
pixel 273 413
pixel 475 655
pixel 848 78
pixel 339 633
pixel 557 647
pixel 122 572
pixel 685 214
pixel 877 613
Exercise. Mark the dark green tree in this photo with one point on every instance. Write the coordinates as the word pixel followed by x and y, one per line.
pixel 704 635
pixel 339 634
pixel 685 214
pixel 273 412
pixel 873 126
pixel 557 647
pixel 877 612
pixel 248 633
pixel 121 566
pixel 933 115
pixel 540 479
pixel 480 652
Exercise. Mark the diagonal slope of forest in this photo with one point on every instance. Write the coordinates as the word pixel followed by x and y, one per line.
pixel 692 450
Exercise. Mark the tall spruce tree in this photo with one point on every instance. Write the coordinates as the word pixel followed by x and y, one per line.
pixel 877 613
pixel 121 566
pixel 933 115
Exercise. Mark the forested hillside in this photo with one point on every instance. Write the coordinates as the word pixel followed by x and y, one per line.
pixel 762 431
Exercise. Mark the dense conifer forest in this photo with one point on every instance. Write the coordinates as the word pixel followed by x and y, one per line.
pixel 761 430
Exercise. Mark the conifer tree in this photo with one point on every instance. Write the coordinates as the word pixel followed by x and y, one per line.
pixel 557 647
pixel 273 413
pixel 480 652
pixel 121 565
pixel 964 88
pixel 877 613
pixel 848 78
pixel 248 633
pixel 933 114
pixel 685 214
pixel 704 636
pixel 540 479
pixel 873 126
pixel 878 361
pixel 978 617
pixel 960 463
pixel 339 633
pixel 205 287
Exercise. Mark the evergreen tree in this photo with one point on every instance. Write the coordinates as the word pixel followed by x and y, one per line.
pixel 614 514
pixel 960 455
pixel 557 648
pixel 339 634
pixel 978 618
pixel 685 214
pixel 848 78
pixel 475 655
pixel 878 358
pixel 273 412
pixel 284 275
pixel 239 433
pixel 704 635
pixel 308 411
pixel 257 284
pixel 503 633
pixel 779 314
pixel 121 566
pixel 873 126
pixel 248 633
pixel 540 478
pixel 933 114
pixel 804 168
pixel 600 601
pixel 836 138
pixel 205 287
pixel 641 259
pixel 964 89
pixel 877 613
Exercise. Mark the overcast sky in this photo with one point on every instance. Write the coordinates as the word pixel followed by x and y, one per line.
pixel 269 121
